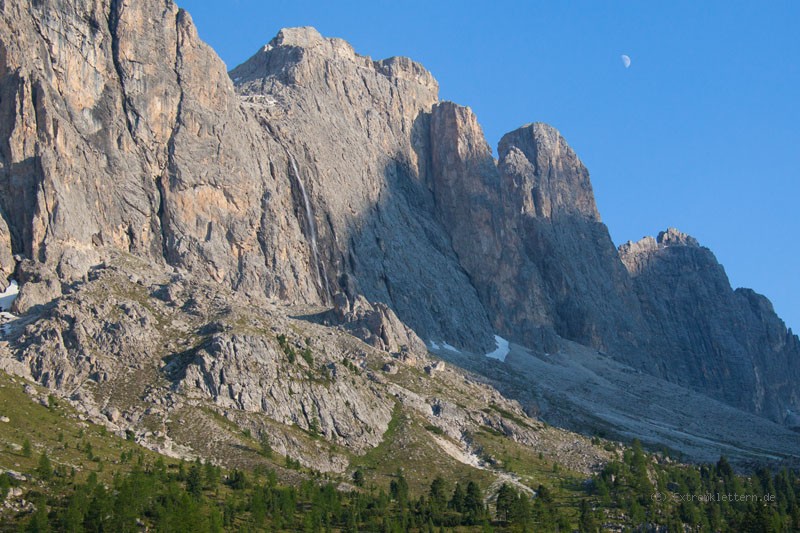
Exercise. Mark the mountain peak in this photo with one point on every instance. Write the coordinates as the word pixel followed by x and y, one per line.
pixel 674 237
pixel 301 36
pixel 309 39
pixel 632 253
pixel 540 154
pixel 295 46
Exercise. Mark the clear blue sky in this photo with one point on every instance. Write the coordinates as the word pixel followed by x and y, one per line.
pixel 702 132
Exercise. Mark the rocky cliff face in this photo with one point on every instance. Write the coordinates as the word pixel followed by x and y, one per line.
pixel 564 245
pixel 121 130
pixel 705 335
pixel 6 259
pixel 357 132
pixel 316 175
pixel 527 231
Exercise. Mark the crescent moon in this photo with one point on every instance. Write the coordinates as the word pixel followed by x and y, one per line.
pixel 626 60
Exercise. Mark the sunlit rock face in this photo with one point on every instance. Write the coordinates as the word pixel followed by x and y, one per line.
pixel 311 173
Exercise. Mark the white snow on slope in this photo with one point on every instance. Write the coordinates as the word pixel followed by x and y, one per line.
pixel 433 345
pixel 7 298
pixel 502 349
pixel 450 347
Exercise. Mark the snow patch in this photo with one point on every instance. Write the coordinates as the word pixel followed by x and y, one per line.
pixel 502 349
pixel 7 298
pixel 442 345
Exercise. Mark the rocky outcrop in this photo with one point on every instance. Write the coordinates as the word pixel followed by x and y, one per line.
pixel 314 171
pixel 40 287
pixel 363 178
pixel 636 256
pixel 6 259
pixel 377 325
pixel 121 130
pixel 728 344
pixel 248 373
pixel 124 349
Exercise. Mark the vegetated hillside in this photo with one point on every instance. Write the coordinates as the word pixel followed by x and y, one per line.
pixel 183 368
pixel 62 473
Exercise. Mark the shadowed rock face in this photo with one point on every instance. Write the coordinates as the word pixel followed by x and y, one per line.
pixel 527 231
pixel 704 335
pixel 359 131
pixel 318 172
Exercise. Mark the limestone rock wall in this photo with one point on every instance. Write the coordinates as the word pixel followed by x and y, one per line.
pixel 727 343
pixel 358 132
pixel 311 172
pixel 121 130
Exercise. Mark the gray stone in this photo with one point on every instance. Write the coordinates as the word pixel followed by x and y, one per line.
pixel 377 325
pixel 6 258
pixel 321 177
pixel 728 344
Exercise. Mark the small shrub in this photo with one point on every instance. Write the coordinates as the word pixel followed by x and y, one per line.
pixel 266 447
pixel 26 448
pixel 307 356
pixel 286 347
pixel 45 467
pixel 435 429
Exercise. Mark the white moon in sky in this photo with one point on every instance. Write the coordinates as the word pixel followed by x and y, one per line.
pixel 626 60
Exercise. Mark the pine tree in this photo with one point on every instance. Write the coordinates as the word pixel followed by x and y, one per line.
pixel 39 522
pixel 76 510
pixel 437 498
pixel 457 501
pixel 45 468
pixel 212 475
pixel 398 488
pixel 194 481
pixel 258 507
pixel 520 513
pixel 473 504
pixel 724 469
pixel 5 485
pixel 506 498
pixel 543 508
pixel 237 480
pixel 26 448
pixel 588 520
